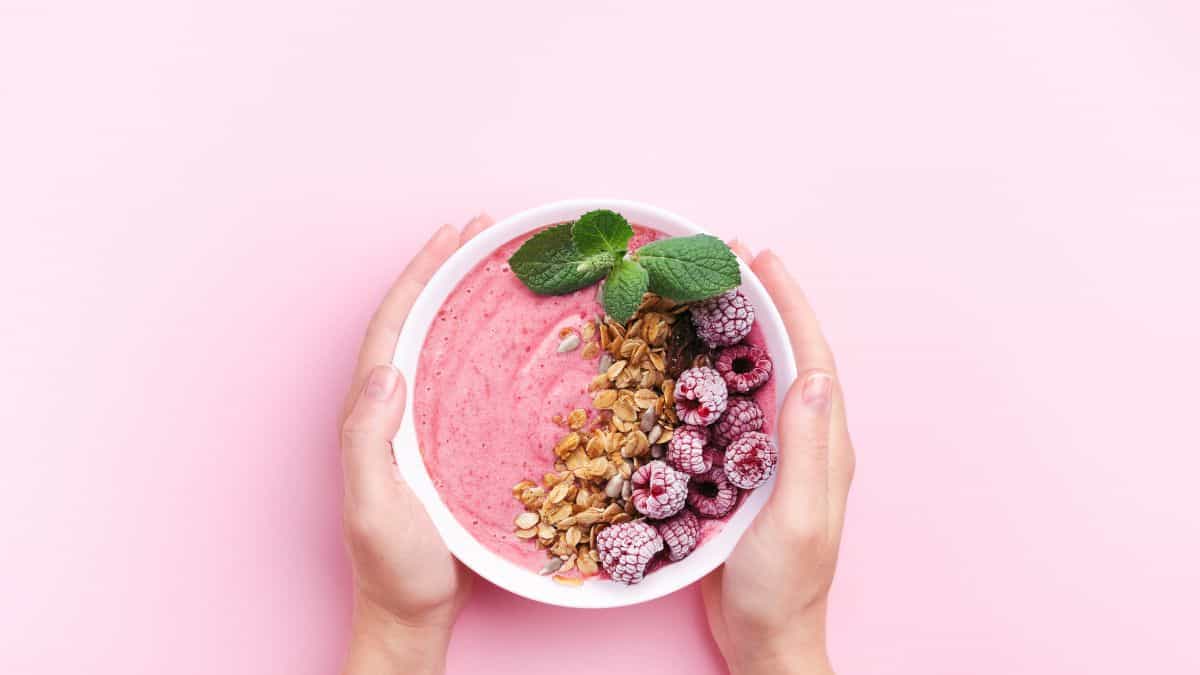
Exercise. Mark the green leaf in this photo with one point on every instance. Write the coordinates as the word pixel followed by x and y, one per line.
pixel 550 264
pixel 624 288
pixel 686 269
pixel 601 231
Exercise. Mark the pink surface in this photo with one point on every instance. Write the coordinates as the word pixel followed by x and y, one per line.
pixel 994 207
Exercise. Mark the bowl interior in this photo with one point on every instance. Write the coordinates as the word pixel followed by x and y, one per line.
pixel 461 543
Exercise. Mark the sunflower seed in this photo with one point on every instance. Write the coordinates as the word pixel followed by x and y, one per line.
pixel 606 362
pixel 551 566
pixel 613 488
pixel 627 490
pixel 654 434
pixel 649 418
pixel 569 343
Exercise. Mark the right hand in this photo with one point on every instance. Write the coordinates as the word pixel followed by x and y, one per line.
pixel 766 605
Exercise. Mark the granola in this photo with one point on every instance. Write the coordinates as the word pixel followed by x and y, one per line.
pixel 633 417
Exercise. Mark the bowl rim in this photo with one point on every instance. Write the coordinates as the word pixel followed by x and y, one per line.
pixel 461 543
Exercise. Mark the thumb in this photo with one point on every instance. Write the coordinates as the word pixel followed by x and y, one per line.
pixel 803 486
pixel 367 433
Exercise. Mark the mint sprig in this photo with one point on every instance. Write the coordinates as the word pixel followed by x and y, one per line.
pixel 624 288
pixel 569 256
pixel 601 231
pixel 687 269
pixel 550 264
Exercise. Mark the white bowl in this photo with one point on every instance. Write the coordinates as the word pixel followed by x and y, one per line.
pixel 505 574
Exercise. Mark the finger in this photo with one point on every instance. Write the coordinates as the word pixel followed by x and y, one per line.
pixel 741 250
pixel 476 225
pixel 710 590
pixel 384 329
pixel 841 462
pixel 808 343
pixel 818 459
pixel 804 423
pixel 367 464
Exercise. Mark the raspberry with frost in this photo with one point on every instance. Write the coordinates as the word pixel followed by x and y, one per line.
pixel 711 494
pixel 658 490
pixel 686 449
pixel 744 367
pixel 723 320
pixel 680 534
pixel 750 461
pixel 626 548
pixel 741 415
pixel 700 396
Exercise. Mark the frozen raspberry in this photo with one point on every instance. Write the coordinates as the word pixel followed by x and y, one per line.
pixel 658 490
pixel 686 449
pixel 711 493
pixel 741 415
pixel 681 534
pixel 723 320
pixel 700 396
pixel 626 548
pixel 744 367
pixel 714 456
pixel 750 461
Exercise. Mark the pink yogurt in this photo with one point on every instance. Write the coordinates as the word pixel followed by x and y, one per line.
pixel 489 380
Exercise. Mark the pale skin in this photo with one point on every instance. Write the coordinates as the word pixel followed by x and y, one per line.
pixel 766 605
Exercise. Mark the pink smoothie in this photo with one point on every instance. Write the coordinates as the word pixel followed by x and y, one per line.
pixel 489 380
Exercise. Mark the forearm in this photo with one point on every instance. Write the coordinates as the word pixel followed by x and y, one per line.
pixel 797 649
pixel 783 660
pixel 379 645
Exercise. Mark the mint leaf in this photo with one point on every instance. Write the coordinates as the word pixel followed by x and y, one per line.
pixel 550 264
pixel 686 269
pixel 601 231
pixel 624 288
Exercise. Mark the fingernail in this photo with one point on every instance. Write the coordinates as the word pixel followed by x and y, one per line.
pixel 381 383
pixel 817 387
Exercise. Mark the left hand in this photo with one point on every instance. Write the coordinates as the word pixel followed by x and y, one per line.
pixel 408 589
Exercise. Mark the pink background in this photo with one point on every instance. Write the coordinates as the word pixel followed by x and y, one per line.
pixel 994 207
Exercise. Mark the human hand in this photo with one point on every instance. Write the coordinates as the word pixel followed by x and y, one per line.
pixel 408 589
pixel 766 605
